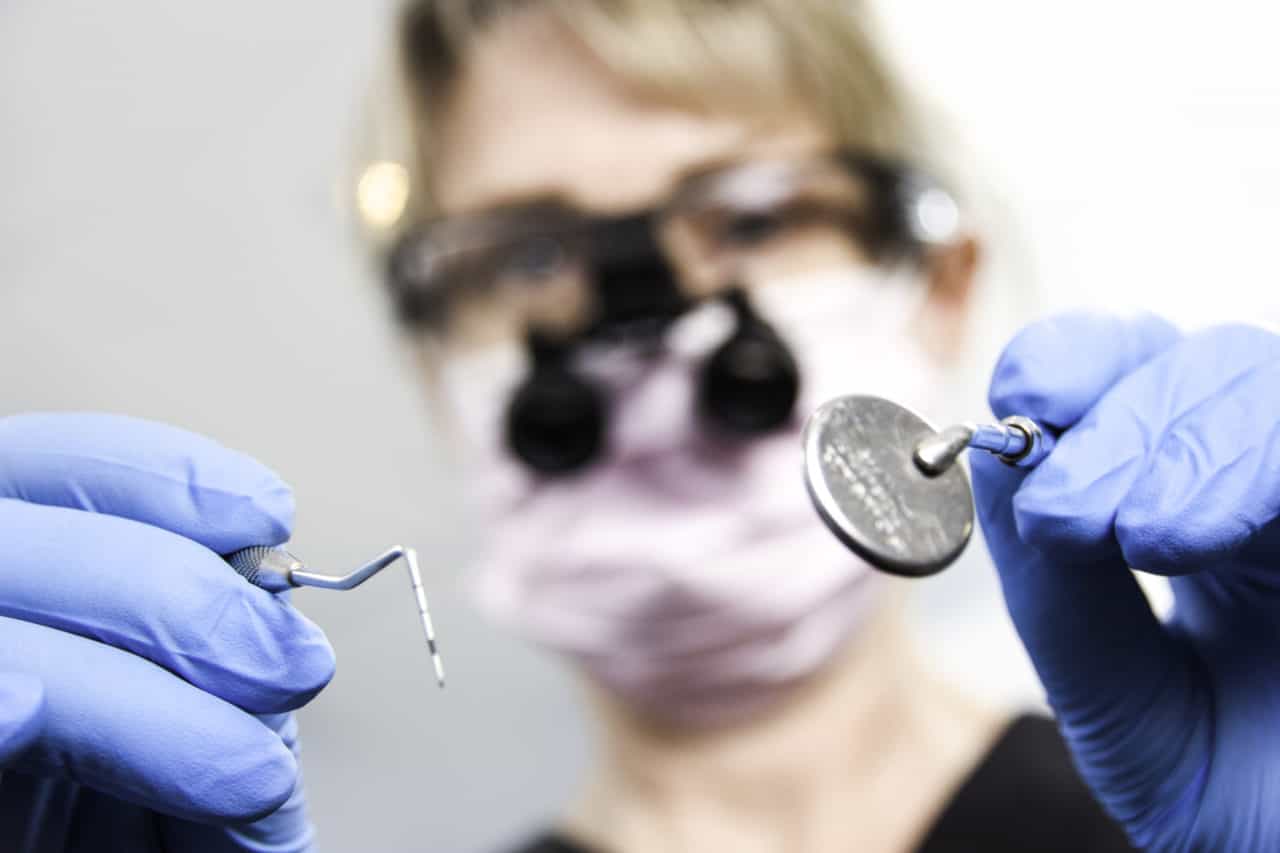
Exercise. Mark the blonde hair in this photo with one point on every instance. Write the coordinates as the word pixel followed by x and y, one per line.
pixel 704 55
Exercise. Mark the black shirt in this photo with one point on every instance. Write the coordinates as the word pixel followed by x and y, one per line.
pixel 1023 797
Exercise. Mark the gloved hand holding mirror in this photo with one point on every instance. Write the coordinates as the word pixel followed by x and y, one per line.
pixel 1167 460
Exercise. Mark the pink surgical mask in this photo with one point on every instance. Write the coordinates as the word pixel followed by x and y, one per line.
pixel 690 575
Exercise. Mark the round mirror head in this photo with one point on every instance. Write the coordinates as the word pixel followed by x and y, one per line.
pixel 860 471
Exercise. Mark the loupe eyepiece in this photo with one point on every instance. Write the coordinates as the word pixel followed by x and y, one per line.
pixel 750 384
pixel 555 421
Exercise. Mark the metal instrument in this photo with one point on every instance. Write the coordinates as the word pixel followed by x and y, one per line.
pixel 886 484
pixel 275 569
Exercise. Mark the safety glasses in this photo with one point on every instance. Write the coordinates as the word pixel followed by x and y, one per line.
pixel 547 267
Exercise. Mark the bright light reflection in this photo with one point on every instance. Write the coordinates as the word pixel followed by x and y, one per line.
pixel 382 193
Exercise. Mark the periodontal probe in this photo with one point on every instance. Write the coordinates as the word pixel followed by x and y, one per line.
pixel 274 569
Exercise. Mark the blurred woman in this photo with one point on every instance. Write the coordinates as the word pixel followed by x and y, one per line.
pixel 642 239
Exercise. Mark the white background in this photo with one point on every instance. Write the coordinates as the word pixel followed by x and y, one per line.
pixel 171 247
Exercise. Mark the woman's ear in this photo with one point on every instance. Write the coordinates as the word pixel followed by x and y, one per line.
pixel 950 271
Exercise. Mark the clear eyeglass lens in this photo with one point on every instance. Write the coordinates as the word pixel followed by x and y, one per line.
pixel 751 228
pixel 537 259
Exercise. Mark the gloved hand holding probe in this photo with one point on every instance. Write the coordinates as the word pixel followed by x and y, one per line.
pixel 1168 462
pixel 145 688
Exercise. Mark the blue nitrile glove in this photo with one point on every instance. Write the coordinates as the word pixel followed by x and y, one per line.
pixel 1169 462
pixel 133 659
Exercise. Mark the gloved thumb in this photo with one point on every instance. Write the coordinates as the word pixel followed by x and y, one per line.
pixel 21 713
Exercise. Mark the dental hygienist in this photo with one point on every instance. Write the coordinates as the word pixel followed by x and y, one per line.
pixel 643 240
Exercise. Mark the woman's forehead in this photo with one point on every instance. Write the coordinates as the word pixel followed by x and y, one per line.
pixel 535 114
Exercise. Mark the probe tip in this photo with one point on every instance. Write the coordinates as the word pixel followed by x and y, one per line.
pixel 415 578
pixel 439 667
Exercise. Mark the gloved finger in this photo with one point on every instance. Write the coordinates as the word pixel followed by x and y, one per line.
pixel 1175 466
pixel 1041 374
pixel 1054 370
pixel 162 597
pixel 21 712
pixel 122 725
pixel 286 830
pixel 146 471
pixel 1211 478
pixel 1107 665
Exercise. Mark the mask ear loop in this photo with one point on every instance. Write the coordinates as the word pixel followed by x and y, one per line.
pixel 749 385
pixel 555 420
